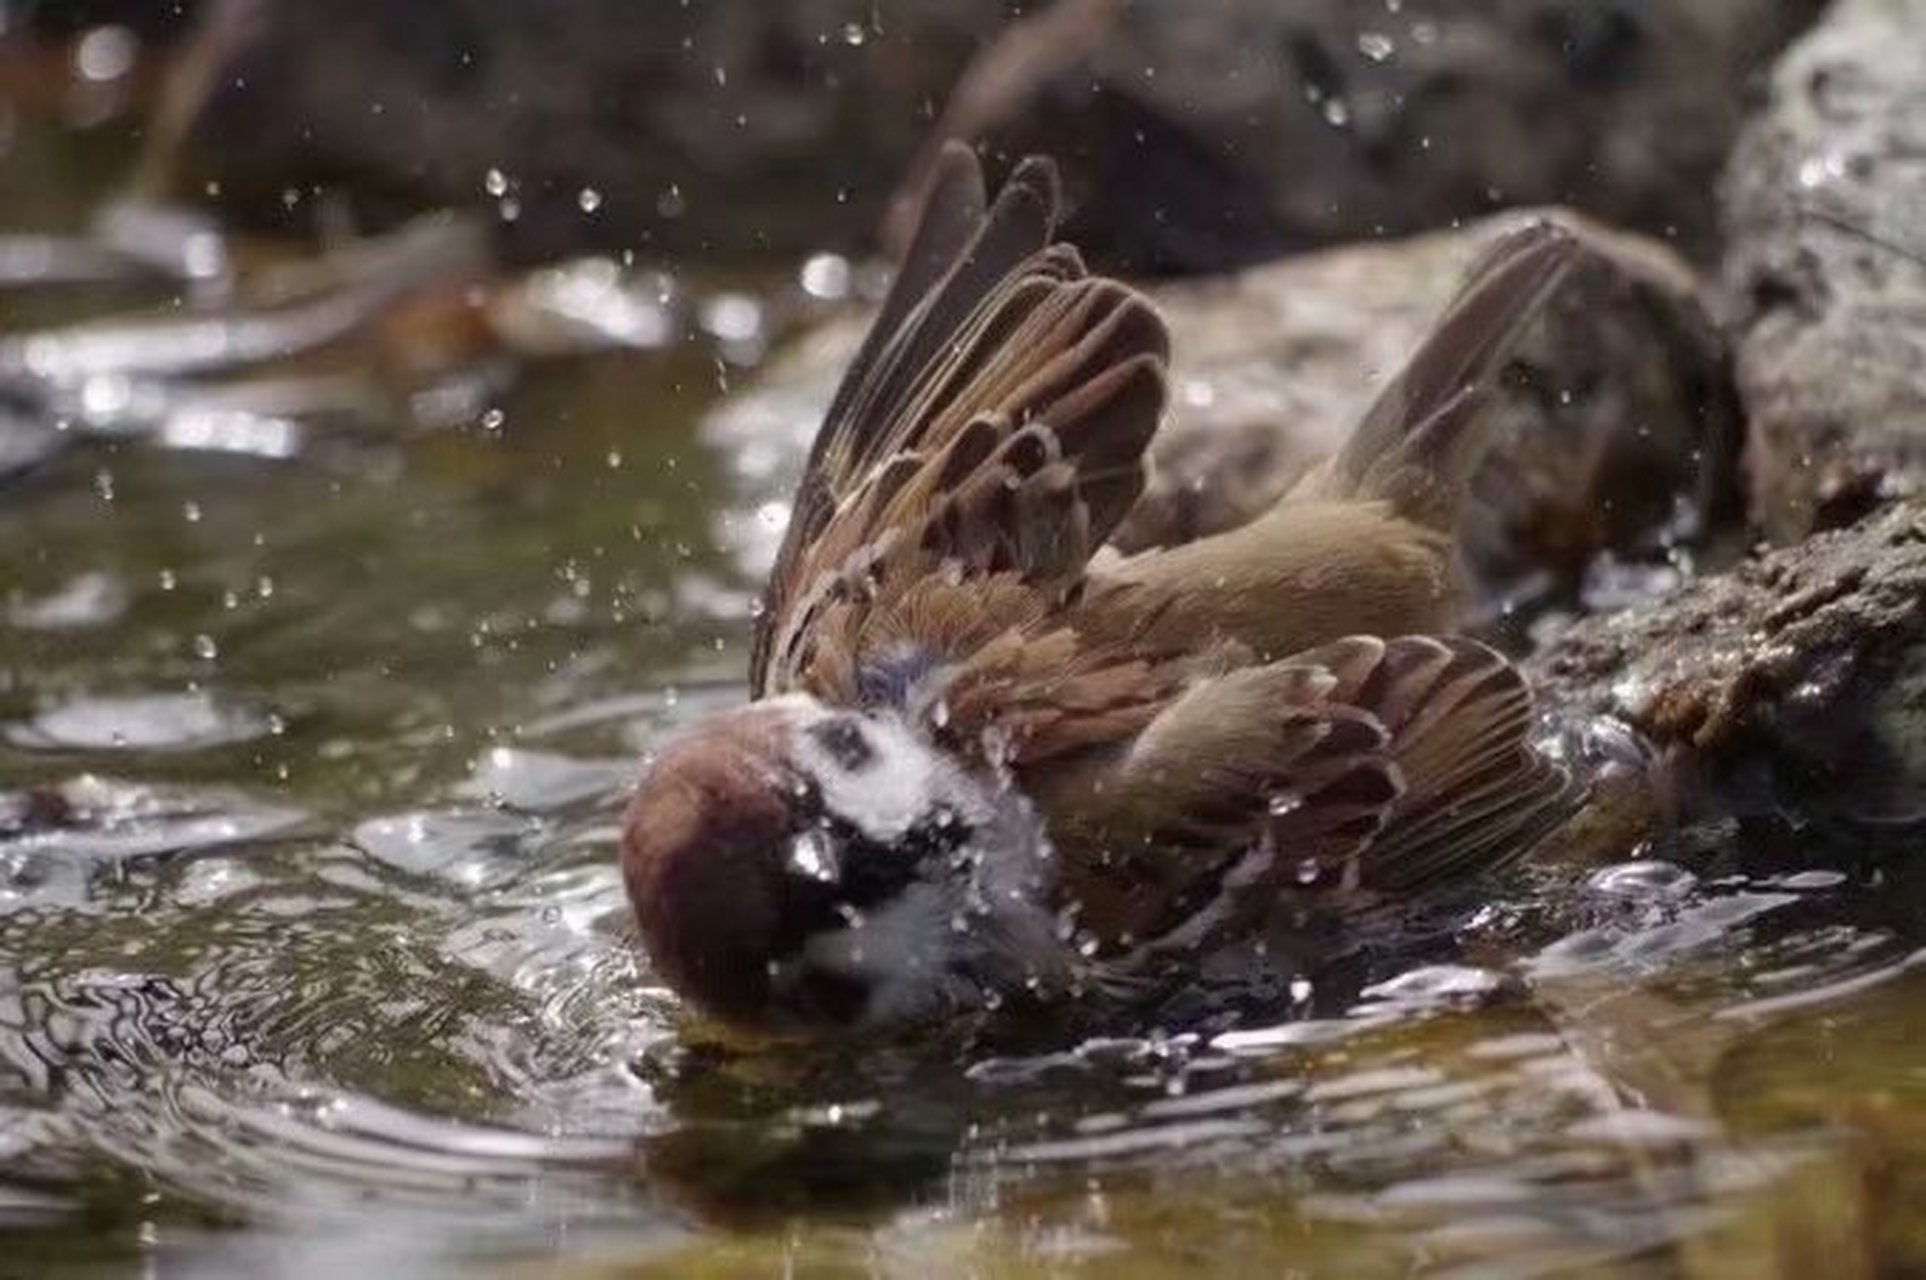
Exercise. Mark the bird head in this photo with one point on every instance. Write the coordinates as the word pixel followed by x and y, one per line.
pixel 801 869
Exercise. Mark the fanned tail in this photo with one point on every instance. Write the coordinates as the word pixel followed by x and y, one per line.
pixel 1424 435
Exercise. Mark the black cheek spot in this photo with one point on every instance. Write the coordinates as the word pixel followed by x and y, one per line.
pixel 843 738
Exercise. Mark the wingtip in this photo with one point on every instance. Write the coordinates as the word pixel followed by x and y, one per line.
pixel 1542 249
pixel 957 165
pixel 955 189
pixel 1428 418
pixel 1036 176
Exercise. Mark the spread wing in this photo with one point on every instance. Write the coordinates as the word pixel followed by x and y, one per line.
pixel 1364 768
pixel 1477 794
pixel 986 440
pixel 1263 761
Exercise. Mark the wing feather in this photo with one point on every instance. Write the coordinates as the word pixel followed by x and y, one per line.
pixel 1459 715
pixel 1362 769
pixel 998 434
pixel 1261 758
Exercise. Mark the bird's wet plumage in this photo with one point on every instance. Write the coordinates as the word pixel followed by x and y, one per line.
pixel 1150 751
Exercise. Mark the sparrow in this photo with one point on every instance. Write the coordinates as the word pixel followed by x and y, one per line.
pixel 986 757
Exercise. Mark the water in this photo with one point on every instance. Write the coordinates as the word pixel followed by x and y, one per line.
pixel 313 956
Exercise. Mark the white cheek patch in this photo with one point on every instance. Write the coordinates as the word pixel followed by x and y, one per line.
pixel 968 925
pixel 898 787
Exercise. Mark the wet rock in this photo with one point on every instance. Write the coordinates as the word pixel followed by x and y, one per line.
pixel 1617 429
pixel 1825 215
pixel 1203 135
pixel 1802 670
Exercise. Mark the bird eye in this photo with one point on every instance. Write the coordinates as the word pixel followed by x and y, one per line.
pixel 843 738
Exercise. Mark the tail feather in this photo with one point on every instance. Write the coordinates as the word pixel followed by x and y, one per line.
pixel 1419 442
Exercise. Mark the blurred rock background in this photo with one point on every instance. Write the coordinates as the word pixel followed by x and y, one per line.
pixel 1196 134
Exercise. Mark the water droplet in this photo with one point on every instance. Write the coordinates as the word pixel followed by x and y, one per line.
pixel 812 855
pixel 1816 171
pixel 1198 393
pixel 733 317
pixel 106 53
pixel 492 420
pixel 191 512
pixel 205 648
pixel 1376 46
pixel 1308 871
pixel 495 182
pixel 1285 802
pixel 104 484
pixel 826 276
pixel 854 34
pixel 1337 113
pixel 588 199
